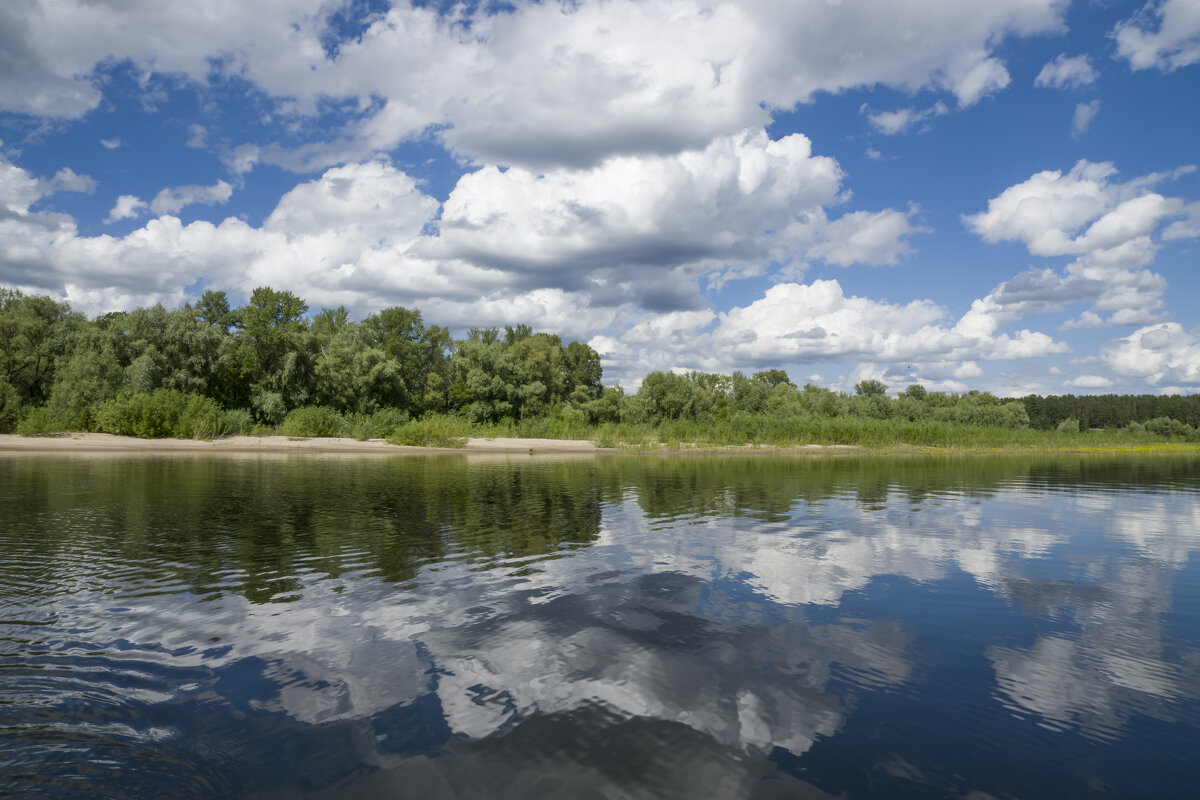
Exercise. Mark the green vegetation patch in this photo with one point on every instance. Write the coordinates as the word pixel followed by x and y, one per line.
pixel 43 421
pixel 165 413
pixel 314 421
pixel 271 367
pixel 432 431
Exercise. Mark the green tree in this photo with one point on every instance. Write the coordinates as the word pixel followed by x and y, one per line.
pixel 213 308
pixel 583 372
pixel 870 387
pixel 275 362
pixel 666 395
pixel 750 395
pixel 421 353
pixel 34 332
pixel 89 374
pixel 349 373
pixel 773 378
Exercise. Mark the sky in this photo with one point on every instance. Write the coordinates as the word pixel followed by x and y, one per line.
pixel 983 194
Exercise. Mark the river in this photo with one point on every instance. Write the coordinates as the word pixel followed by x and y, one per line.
pixel 607 627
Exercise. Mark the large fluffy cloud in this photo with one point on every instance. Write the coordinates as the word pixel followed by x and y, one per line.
pixel 1083 210
pixel 319 236
pixel 51 48
pixel 793 324
pixel 539 84
pixel 1162 355
pixel 550 248
pixel 1164 35
pixel 797 323
pixel 1108 225
pixel 737 205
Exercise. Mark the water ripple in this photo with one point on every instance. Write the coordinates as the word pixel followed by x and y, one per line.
pixel 632 627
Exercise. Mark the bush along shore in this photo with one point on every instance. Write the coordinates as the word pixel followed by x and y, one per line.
pixel 210 370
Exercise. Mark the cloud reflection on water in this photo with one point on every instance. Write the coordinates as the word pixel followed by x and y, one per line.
pixel 705 610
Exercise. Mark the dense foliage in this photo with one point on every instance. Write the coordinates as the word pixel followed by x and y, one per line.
pixel 210 369
pixel 145 372
pixel 1110 410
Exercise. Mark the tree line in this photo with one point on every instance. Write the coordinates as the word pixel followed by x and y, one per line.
pixel 209 368
pixel 269 358
pixel 1110 410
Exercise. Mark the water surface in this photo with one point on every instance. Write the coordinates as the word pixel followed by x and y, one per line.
pixel 604 627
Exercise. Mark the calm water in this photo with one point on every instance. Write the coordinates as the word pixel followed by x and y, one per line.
pixel 625 627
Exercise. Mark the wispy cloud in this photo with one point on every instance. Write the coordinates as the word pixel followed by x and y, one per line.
pixel 171 201
pixel 1084 114
pixel 889 123
pixel 1067 73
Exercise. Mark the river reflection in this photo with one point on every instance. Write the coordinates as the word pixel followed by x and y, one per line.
pixel 608 627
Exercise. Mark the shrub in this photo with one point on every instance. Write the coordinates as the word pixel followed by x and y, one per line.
pixel 1068 425
pixel 314 421
pixel 378 425
pixel 268 407
pixel 238 422
pixel 1169 428
pixel 431 431
pixel 42 421
pixel 161 413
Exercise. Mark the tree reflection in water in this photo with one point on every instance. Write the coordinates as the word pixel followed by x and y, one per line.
pixel 641 626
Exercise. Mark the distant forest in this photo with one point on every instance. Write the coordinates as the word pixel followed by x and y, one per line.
pixel 208 369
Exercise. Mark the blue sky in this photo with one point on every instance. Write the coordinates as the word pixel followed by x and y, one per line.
pixel 998 195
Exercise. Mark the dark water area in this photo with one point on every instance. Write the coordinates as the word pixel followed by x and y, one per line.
pixel 626 627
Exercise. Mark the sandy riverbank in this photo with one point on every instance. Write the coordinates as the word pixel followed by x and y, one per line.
pixel 101 443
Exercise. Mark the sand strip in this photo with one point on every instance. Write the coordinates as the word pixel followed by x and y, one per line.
pixel 99 443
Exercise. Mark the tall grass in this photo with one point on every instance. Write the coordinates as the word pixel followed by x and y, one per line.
pixel 740 430
pixel 314 421
pixel 378 425
pixel 434 430
pixel 171 413
pixel 43 421
pixel 166 413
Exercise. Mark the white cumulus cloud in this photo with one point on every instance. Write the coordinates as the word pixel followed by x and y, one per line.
pixel 1090 382
pixel 128 206
pixel 864 237
pixel 984 76
pixel 173 200
pixel 1165 35
pixel 797 323
pixel 1067 72
pixel 1109 226
pixel 539 84
pixel 1163 354
pixel 639 227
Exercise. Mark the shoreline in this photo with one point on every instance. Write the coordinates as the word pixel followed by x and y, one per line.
pixel 104 444
pixel 108 444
